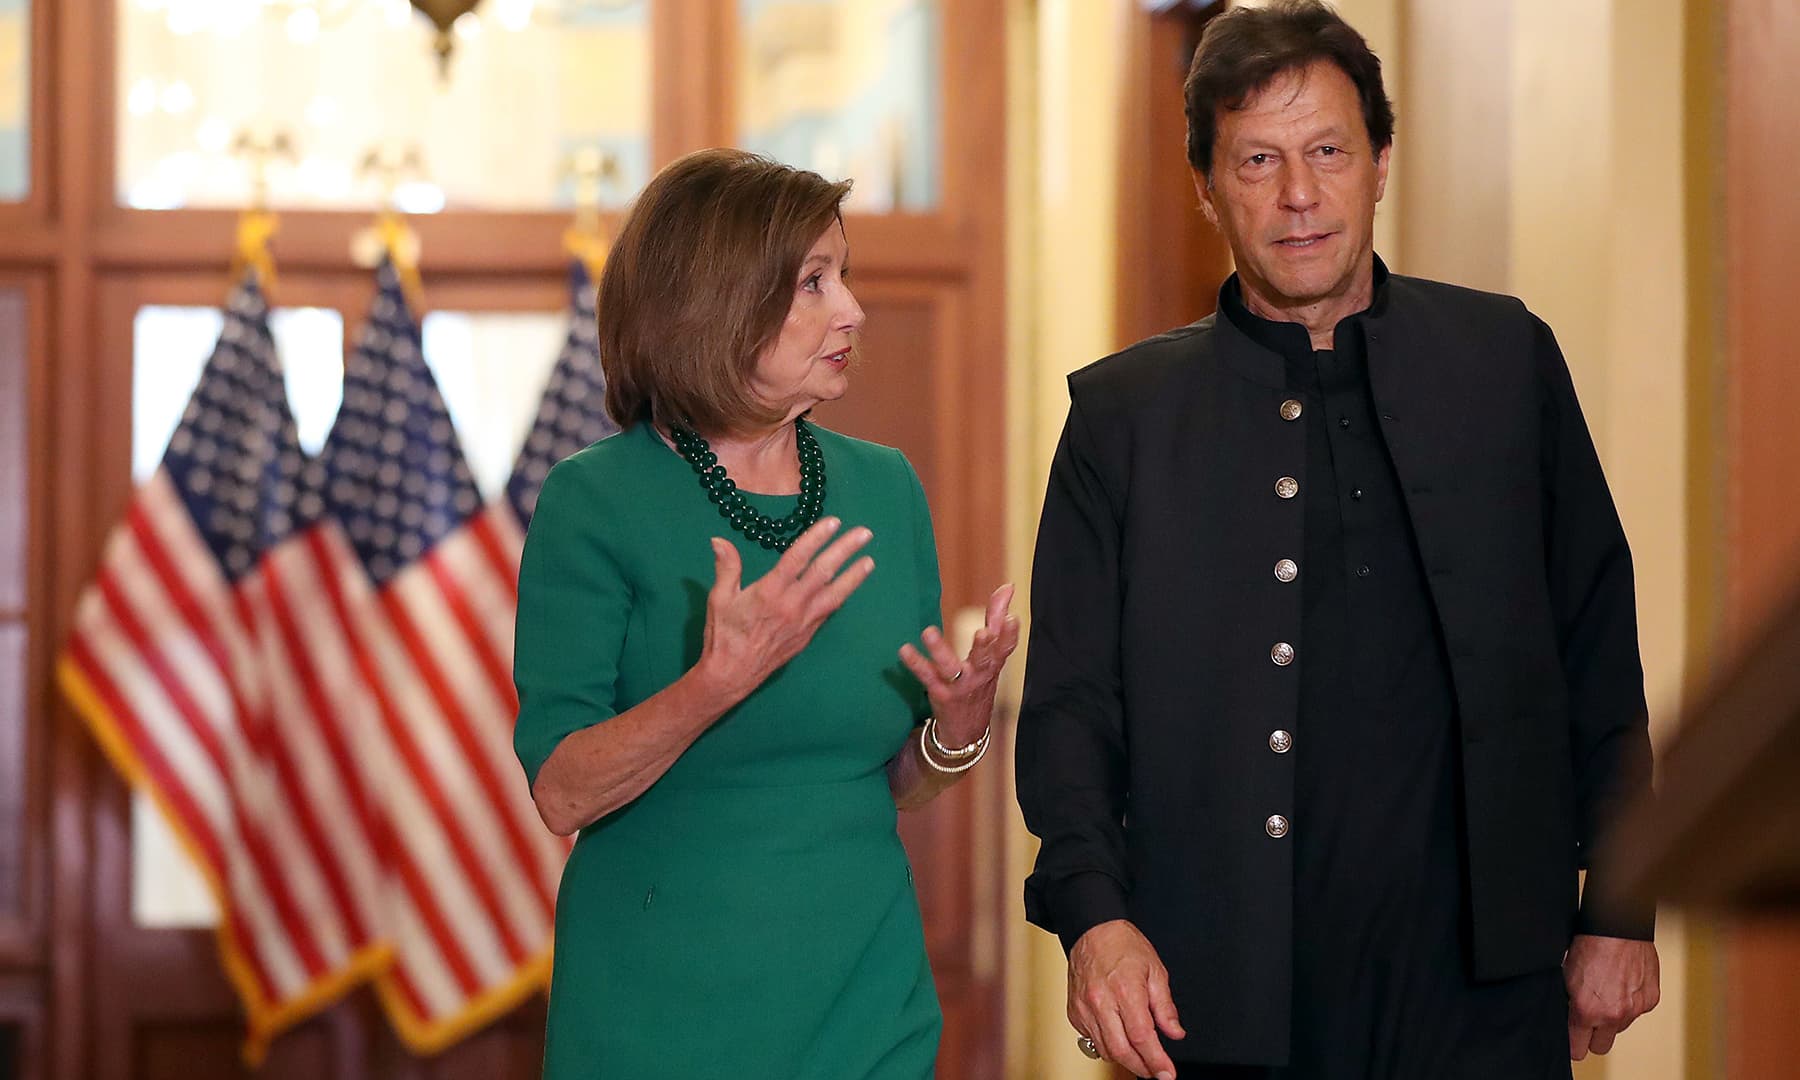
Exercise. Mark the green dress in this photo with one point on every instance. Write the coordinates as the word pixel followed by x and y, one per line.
pixel 751 915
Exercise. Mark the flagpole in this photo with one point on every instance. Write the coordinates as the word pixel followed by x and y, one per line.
pixel 389 236
pixel 258 223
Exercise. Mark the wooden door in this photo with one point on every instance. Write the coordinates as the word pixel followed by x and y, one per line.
pixel 1759 452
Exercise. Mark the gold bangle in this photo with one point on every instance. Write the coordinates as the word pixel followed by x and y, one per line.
pixel 974 749
pixel 955 767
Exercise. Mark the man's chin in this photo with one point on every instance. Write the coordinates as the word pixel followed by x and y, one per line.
pixel 1299 290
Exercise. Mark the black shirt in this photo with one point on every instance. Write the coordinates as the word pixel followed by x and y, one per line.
pixel 1381 984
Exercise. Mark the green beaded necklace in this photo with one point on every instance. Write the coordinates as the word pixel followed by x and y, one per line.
pixel 772 533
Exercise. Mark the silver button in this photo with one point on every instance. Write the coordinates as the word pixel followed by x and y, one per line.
pixel 1291 409
pixel 1282 654
pixel 1287 487
pixel 1286 570
pixel 1276 826
pixel 1280 742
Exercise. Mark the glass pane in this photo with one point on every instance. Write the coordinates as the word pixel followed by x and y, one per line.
pixel 14 507
pixel 170 346
pixel 847 88
pixel 167 891
pixel 15 99
pixel 529 83
pixel 492 368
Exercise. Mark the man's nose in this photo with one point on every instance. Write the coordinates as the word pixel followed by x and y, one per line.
pixel 1299 187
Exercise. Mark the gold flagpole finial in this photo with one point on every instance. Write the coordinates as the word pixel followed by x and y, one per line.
pixel 258 224
pixel 390 236
pixel 586 238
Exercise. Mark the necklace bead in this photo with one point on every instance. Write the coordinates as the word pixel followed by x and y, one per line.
pixel 775 534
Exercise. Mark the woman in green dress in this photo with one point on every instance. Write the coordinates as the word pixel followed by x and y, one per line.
pixel 719 686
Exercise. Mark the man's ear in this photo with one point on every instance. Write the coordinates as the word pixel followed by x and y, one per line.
pixel 1203 188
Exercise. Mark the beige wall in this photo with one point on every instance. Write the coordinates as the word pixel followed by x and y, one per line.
pixel 1545 159
pixel 1539 153
pixel 1063 71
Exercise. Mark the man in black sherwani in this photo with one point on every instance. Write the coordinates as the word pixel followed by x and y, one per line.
pixel 1333 686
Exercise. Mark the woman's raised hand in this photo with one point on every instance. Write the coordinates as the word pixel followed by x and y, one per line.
pixel 962 691
pixel 752 630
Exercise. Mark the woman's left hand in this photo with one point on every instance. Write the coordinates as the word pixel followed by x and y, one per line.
pixel 962 691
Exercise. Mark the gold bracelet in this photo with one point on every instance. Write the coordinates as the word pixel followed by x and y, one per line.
pixel 974 749
pixel 955 767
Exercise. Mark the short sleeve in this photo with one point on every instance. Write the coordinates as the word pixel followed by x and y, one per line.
pixel 574 604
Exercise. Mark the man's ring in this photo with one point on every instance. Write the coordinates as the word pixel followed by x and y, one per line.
pixel 1088 1047
pixel 958 675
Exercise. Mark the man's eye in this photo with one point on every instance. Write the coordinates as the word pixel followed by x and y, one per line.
pixel 1258 159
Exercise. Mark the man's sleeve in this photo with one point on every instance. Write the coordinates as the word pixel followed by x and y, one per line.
pixel 1071 746
pixel 1593 598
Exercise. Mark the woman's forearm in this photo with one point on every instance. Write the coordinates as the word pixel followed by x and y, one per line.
pixel 912 780
pixel 599 769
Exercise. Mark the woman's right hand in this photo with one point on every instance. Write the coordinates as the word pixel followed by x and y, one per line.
pixel 751 631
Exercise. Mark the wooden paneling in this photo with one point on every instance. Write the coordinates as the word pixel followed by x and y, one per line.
pixel 1762 456
pixel 14 426
pixel 13 756
pixel 1762 259
pixel 23 323
pixel 21 1028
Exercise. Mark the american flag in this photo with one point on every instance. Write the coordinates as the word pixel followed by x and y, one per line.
pixel 184 659
pixel 306 664
pixel 573 411
pixel 429 616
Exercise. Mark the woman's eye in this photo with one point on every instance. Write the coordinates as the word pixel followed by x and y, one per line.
pixel 811 284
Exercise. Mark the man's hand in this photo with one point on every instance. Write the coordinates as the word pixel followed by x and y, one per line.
pixel 1611 982
pixel 1119 997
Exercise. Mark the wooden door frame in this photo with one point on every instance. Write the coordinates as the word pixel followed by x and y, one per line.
pixel 1169 261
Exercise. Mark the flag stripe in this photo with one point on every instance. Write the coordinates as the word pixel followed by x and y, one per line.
pixel 500 554
pixel 254 843
pixel 479 644
pixel 429 988
pixel 416 831
pixel 272 833
pixel 449 943
pixel 492 602
pixel 482 764
pixel 157 519
pixel 176 796
pixel 400 655
pixel 256 726
pixel 312 772
pixel 505 830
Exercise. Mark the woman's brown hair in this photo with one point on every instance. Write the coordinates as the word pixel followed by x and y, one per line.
pixel 699 282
